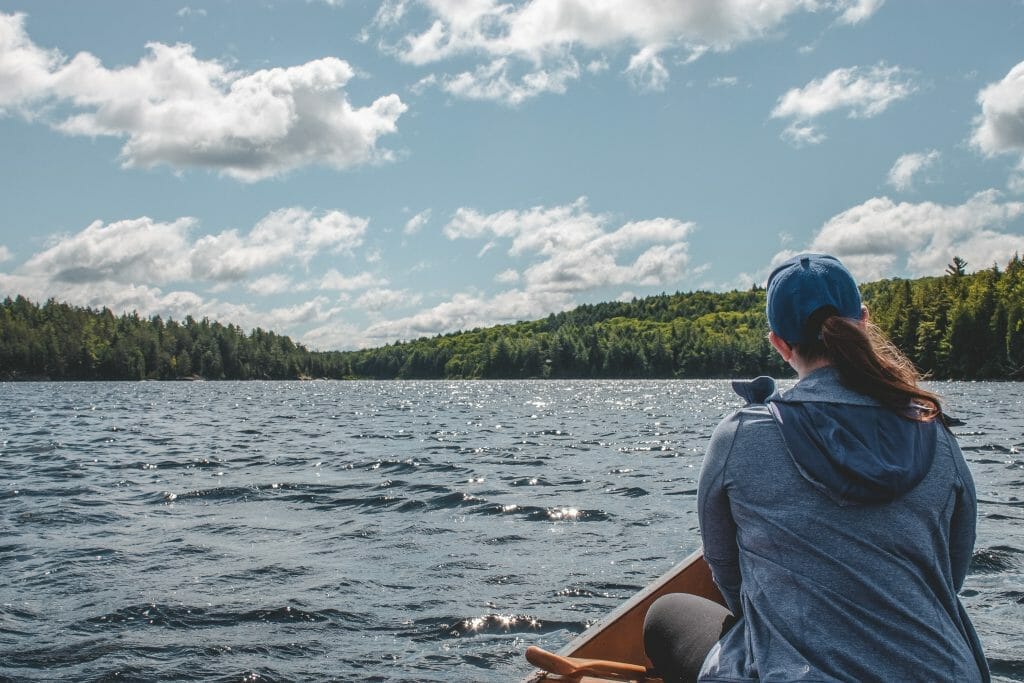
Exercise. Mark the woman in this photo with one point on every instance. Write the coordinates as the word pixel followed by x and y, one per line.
pixel 838 518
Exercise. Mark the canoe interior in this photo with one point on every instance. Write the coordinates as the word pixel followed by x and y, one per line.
pixel 619 636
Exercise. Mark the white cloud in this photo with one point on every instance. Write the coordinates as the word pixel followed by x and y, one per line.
pixel 379 299
pixel 1000 126
pixel 124 251
pixel 315 310
pixel 863 92
pixel 724 82
pixel 536 28
pixel 390 12
pixel 857 11
pixel 335 335
pixel 578 250
pixel 421 86
pixel 190 12
pixel 538 229
pixel 881 238
pixel 333 280
pixel 143 250
pixel 492 82
pixel 593 268
pixel 178 110
pixel 803 134
pixel 25 69
pixel 466 311
pixel 507 277
pixel 416 223
pixel 286 233
pixel 276 283
pixel 230 256
pixel 335 230
pixel 548 35
pixel 5 254
pixel 647 71
pixel 901 175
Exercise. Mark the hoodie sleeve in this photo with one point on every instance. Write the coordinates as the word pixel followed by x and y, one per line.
pixel 963 524
pixel 717 526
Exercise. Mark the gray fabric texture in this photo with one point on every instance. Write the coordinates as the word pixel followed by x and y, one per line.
pixel 827 589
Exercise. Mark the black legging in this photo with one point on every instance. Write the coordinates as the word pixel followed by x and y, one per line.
pixel 679 631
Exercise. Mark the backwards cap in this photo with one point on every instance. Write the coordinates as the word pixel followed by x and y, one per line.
pixel 804 284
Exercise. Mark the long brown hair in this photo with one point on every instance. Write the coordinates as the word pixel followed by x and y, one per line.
pixel 868 363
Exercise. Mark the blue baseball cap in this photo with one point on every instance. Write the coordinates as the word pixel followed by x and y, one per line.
pixel 802 285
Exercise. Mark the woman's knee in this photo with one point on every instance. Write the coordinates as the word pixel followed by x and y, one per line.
pixel 679 630
pixel 664 617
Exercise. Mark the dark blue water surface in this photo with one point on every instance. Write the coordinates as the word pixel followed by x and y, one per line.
pixel 382 531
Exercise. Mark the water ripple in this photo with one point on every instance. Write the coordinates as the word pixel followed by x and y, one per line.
pixel 381 531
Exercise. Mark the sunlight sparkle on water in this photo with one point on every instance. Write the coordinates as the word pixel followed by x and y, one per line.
pixel 558 514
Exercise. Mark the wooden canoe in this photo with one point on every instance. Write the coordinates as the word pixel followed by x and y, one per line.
pixel 619 636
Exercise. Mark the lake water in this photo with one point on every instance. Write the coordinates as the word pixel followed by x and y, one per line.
pixel 383 531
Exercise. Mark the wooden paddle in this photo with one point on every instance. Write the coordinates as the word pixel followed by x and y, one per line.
pixel 575 667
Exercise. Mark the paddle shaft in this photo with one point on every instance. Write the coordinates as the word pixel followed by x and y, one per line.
pixel 574 666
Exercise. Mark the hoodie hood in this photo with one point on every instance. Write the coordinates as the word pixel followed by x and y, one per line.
pixel 846 444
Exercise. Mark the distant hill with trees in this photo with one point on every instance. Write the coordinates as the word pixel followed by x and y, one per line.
pixel 957 326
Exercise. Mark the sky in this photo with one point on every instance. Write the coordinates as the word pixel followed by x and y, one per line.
pixel 352 173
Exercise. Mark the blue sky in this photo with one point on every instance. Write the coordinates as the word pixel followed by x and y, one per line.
pixel 352 172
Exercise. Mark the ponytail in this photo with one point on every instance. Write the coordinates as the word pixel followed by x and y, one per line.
pixel 868 363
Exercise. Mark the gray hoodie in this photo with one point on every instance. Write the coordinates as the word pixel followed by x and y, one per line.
pixel 839 533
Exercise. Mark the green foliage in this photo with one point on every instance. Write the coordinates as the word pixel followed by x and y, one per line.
pixel 62 342
pixel 957 326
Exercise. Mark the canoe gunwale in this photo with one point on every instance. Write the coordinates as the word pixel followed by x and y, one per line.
pixel 619 635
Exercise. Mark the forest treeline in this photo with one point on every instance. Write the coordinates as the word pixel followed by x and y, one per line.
pixel 957 326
